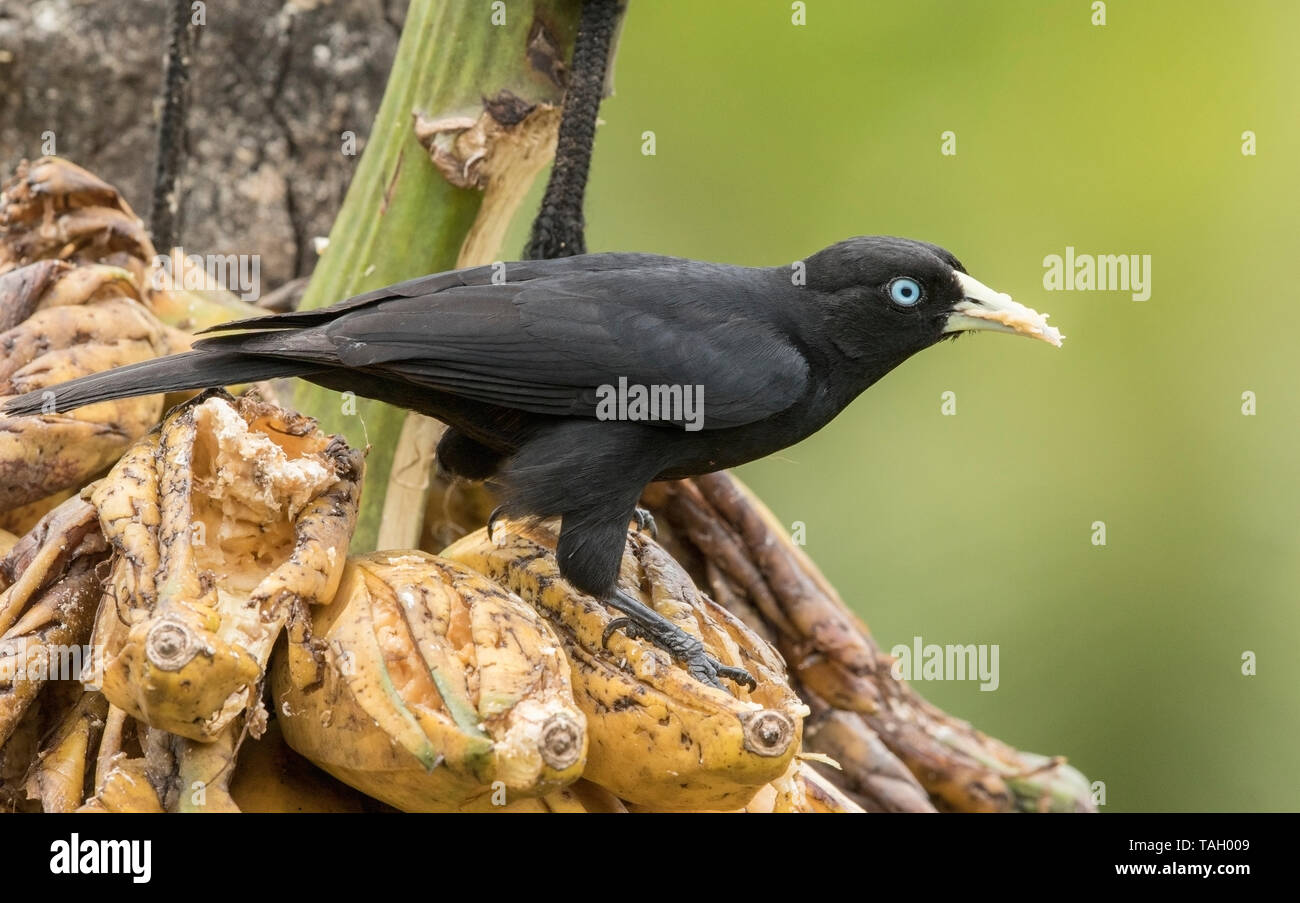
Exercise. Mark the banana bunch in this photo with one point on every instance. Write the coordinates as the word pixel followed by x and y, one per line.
pixel 477 680
pixel 48 594
pixel 80 291
pixel 174 576
pixel 98 759
pixel 224 521
pixel 431 688
pixel 54 210
pixel 659 738
pixel 57 322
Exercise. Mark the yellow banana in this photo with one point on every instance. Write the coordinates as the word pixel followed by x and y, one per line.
pixel 223 521
pixel 659 738
pixel 271 777
pixel 125 788
pixel 435 689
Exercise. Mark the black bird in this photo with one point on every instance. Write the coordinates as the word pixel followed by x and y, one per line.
pixel 525 362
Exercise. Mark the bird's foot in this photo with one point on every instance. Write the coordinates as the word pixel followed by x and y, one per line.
pixel 645 522
pixel 642 621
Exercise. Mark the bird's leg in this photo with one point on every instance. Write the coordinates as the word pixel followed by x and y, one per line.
pixel 645 522
pixel 643 621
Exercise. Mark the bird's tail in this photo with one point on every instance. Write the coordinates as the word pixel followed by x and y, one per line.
pixel 198 369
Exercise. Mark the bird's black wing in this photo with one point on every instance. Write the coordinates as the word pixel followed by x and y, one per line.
pixel 548 344
pixel 421 286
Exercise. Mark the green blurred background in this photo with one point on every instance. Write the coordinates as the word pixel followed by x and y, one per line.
pixel 775 140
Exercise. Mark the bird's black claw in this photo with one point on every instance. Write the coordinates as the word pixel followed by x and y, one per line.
pixel 645 522
pixel 739 675
pixel 707 669
pixel 496 515
pixel 627 625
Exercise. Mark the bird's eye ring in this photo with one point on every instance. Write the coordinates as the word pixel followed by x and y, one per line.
pixel 904 292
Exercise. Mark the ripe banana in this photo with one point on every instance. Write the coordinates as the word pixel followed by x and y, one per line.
pixel 579 797
pixel 659 738
pixel 428 686
pixel 271 777
pixel 125 788
pixel 224 520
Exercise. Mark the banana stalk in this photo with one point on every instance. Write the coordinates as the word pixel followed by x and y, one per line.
pixel 864 718
pixel 403 218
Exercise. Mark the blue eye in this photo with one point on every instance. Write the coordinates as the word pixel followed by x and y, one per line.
pixel 904 291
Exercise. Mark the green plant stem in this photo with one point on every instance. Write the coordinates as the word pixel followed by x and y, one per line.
pixel 401 218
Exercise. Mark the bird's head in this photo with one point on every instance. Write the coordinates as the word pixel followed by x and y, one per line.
pixel 898 296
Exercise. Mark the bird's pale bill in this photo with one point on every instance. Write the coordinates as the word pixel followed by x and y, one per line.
pixel 982 308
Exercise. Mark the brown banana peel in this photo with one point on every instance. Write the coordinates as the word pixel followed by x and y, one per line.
pixel 53 209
